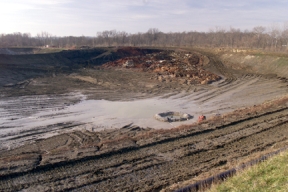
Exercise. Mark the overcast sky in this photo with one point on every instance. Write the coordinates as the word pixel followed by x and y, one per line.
pixel 87 17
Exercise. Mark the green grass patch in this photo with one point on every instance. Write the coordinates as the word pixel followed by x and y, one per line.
pixel 268 176
pixel 282 61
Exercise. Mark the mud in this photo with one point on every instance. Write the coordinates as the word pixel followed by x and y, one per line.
pixel 86 126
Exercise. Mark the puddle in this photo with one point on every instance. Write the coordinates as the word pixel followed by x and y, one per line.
pixel 111 114
pixel 139 112
pixel 28 118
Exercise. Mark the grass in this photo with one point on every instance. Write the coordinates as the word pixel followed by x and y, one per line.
pixel 282 61
pixel 268 176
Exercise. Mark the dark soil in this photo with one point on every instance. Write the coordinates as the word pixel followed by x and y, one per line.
pixel 136 159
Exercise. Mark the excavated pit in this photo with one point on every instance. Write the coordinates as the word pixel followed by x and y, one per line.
pixel 83 120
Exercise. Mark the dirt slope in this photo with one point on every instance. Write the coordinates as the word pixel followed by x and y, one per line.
pixel 255 61
pixel 17 68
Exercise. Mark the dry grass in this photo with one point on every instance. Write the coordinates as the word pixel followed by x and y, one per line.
pixel 271 175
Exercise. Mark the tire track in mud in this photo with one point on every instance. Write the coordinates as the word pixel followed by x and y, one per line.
pixel 229 76
pixel 230 83
pixel 234 86
pixel 208 182
pixel 28 105
pixel 157 165
pixel 15 139
pixel 17 111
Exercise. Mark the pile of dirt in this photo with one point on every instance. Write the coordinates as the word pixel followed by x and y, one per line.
pixel 185 67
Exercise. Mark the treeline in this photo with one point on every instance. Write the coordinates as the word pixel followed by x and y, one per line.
pixel 260 37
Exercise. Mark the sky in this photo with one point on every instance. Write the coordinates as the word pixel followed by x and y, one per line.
pixel 87 17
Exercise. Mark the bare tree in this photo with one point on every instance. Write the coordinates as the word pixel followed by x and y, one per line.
pixel 275 34
pixel 284 34
pixel 273 38
pixel 259 30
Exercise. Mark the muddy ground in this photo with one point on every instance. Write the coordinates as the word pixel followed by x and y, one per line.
pixel 250 119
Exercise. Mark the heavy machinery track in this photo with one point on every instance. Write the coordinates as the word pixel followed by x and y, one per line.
pixel 156 165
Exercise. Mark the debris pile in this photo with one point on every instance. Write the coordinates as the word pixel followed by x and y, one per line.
pixel 187 68
pixel 171 116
